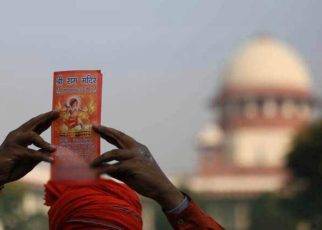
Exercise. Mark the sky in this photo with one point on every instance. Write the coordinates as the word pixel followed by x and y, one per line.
pixel 161 60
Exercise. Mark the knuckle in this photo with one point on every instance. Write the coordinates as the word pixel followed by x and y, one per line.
pixel 121 134
pixel 129 172
pixel 113 153
pixel 113 170
pixel 13 133
pixel 107 154
pixel 35 137
pixel 32 120
pixel 102 158
pixel 33 134
pixel 144 148
pixel 119 169
pixel 8 147
pixel 104 154
pixel 12 137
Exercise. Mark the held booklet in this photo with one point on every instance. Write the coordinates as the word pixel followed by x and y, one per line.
pixel 77 95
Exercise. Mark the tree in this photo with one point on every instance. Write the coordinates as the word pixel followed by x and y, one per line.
pixel 13 215
pixel 305 164
pixel 268 213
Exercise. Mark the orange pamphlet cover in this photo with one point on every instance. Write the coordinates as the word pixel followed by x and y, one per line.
pixel 77 95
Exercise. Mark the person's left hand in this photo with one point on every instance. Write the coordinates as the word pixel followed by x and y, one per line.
pixel 137 168
pixel 16 159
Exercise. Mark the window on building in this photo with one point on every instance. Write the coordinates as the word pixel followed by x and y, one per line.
pixel 270 108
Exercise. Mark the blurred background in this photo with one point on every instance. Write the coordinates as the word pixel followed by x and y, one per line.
pixel 224 93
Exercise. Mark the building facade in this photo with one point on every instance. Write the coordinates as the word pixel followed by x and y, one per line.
pixel 265 98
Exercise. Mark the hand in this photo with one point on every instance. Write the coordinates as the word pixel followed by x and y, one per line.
pixel 137 168
pixel 16 159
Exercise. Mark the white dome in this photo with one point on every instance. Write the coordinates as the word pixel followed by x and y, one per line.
pixel 266 63
pixel 210 136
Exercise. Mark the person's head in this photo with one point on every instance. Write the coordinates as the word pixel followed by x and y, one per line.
pixel 73 103
pixel 98 204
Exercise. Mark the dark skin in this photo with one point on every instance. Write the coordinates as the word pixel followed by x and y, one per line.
pixel 136 167
pixel 16 159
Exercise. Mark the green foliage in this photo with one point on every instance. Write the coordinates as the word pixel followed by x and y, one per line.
pixel 305 159
pixel 268 213
pixel 12 214
pixel 305 163
pixel 303 204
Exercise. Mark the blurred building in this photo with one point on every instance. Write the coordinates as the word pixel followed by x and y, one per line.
pixel 264 99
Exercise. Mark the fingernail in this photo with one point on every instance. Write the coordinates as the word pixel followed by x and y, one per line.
pixel 95 127
pixel 48 159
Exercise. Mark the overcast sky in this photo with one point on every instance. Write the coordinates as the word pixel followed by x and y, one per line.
pixel 160 59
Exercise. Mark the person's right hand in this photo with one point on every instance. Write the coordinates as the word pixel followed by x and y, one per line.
pixel 16 159
pixel 137 168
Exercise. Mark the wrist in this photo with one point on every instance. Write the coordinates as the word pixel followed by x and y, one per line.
pixel 170 198
pixel 180 207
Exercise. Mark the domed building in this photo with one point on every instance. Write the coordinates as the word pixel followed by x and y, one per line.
pixel 264 99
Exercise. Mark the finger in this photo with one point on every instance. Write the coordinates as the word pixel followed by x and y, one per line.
pixel 34 138
pixel 40 155
pixel 46 122
pixel 115 154
pixel 120 171
pixel 41 122
pixel 42 144
pixel 110 140
pixel 115 137
pixel 109 169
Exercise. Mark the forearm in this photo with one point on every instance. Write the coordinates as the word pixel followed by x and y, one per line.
pixel 169 198
pixel 187 215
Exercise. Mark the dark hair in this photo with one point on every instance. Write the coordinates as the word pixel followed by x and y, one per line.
pixel 73 101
